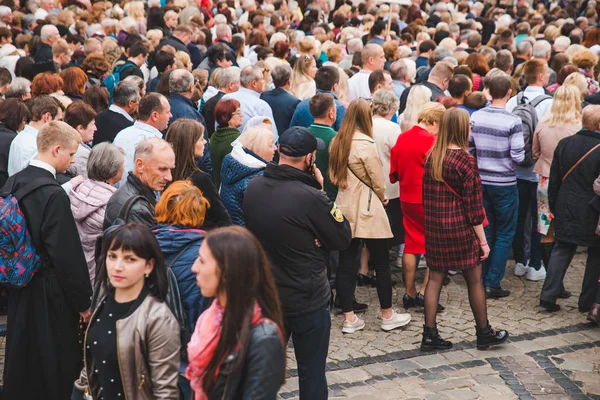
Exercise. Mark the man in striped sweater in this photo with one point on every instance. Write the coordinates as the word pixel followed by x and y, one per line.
pixel 497 143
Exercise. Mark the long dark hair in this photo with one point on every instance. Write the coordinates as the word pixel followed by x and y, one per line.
pixel 137 238
pixel 183 135
pixel 246 278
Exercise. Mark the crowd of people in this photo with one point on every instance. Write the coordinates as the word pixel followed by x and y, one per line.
pixel 186 186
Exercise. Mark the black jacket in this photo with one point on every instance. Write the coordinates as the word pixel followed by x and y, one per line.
pixel 130 68
pixel 108 124
pixel 260 377
pixel 283 105
pixel 142 211
pixel 216 215
pixel 44 53
pixel 173 41
pixel 569 200
pixel 287 211
pixel 435 93
pixel 208 112
pixel 6 138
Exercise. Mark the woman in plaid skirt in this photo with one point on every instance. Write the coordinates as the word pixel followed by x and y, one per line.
pixel 454 236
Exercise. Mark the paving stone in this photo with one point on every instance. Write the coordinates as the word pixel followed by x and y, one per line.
pixel 434 360
pixel 354 375
pixel 462 394
pixel 379 369
pixel 578 365
pixel 455 357
pixel 405 365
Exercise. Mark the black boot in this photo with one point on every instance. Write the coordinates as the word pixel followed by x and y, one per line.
pixel 487 337
pixel 433 341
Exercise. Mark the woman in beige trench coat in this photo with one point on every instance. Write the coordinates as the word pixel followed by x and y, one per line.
pixel 356 168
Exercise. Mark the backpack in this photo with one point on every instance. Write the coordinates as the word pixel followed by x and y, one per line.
pixel 526 113
pixel 111 81
pixel 19 260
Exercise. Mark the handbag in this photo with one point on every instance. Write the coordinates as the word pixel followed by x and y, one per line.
pixel 485 220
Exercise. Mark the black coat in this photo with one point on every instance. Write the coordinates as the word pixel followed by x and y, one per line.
pixel 283 105
pixel 108 124
pixel 173 41
pixel 217 215
pixel 43 357
pixel 208 112
pixel 575 218
pixel 43 54
pixel 287 210
pixel 6 138
pixel 260 377
pixel 141 211
pixel 130 68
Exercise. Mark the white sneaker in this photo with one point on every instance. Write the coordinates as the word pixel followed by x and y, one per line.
pixel 395 321
pixel 351 327
pixel 452 273
pixel 520 269
pixel 533 275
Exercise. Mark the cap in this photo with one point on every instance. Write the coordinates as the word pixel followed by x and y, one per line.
pixel 298 141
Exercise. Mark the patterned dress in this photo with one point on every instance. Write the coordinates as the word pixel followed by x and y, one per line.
pixel 450 241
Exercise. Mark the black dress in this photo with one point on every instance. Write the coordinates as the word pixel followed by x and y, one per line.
pixel 102 344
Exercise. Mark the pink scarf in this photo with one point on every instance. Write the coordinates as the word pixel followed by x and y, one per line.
pixel 203 344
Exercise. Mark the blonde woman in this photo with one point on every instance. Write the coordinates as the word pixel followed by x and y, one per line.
pixel 454 235
pixel 356 169
pixel 135 10
pixel 418 96
pixel 578 80
pixel 563 120
pixel 342 87
pixel 183 60
pixel 303 77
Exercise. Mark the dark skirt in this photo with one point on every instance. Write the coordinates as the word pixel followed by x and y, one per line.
pixel 394 213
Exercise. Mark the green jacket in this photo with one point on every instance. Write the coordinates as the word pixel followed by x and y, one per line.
pixel 220 146
pixel 326 133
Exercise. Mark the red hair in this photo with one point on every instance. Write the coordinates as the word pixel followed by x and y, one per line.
pixel 75 80
pixel 224 110
pixel 46 83
pixel 476 62
pixel 182 204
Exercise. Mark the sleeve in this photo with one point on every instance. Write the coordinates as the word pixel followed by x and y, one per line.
pixel 535 144
pixel 163 345
pixel 220 216
pixel 473 194
pixel 61 240
pixel 517 144
pixel 331 228
pixel 374 170
pixel 265 364
pixel 142 212
pixel 555 180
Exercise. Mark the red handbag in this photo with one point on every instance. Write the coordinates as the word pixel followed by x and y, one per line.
pixel 485 220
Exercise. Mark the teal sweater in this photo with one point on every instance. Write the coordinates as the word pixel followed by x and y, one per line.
pixel 220 146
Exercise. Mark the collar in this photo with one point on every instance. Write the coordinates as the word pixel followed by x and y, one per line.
pixel 249 91
pixel 534 89
pixel 180 97
pixel 43 165
pixel 328 92
pixel 148 128
pixel 289 173
pixel 119 110
pixel 320 125
pixel 30 130
pixel 143 189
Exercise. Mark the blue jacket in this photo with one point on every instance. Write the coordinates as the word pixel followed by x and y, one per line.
pixel 172 239
pixel 283 105
pixel 303 117
pixel 235 177
pixel 182 107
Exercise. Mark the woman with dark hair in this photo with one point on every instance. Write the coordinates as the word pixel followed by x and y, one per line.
pixel 187 138
pixel 132 342
pixel 228 116
pixel 479 67
pixel 82 117
pixel 281 50
pixel 75 81
pixel 13 117
pixel 562 74
pixel 237 349
pixel 97 97
pixel 96 67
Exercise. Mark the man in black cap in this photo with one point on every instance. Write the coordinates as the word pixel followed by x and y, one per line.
pixel 298 226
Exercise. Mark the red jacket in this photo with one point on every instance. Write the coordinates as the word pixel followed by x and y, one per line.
pixel 407 163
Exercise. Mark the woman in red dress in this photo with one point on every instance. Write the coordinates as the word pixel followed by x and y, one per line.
pixel 454 236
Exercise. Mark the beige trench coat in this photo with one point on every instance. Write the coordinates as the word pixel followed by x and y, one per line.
pixel 361 203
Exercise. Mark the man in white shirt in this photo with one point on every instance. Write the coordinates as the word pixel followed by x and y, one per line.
pixel 154 114
pixel 24 147
pixel 46 6
pixel 373 58
pixel 253 84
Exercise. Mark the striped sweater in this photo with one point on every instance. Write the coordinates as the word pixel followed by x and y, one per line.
pixel 497 143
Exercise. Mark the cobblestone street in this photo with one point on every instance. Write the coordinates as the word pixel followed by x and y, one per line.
pixel 549 355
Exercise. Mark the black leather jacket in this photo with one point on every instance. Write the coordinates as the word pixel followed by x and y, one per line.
pixel 142 210
pixel 260 377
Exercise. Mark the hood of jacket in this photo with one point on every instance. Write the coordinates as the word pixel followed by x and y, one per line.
pixel 87 197
pixel 173 238
pixel 233 171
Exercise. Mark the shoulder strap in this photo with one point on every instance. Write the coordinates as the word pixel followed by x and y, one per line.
pixel 187 246
pixel 539 99
pixel 23 191
pixel 579 161
pixel 520 97
pixel 363 182
pixel 126 207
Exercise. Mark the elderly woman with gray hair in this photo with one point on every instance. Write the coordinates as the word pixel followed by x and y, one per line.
pixel 90 197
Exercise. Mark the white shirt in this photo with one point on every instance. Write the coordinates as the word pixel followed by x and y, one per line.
pixel 385 134
pixel 119 110
pixel 358 86
pixel 41 14
pixel 251 105
pixel 130 137
pixel 531 92
pixel 22 150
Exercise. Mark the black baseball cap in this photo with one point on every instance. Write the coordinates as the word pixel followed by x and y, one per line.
pixel 298 141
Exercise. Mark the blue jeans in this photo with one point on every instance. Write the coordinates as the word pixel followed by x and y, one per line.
pixel 501 206
pixel 527 205
pixel 310 335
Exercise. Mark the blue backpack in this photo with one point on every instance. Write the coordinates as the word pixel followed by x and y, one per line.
pixel 111 81
pixel 19 260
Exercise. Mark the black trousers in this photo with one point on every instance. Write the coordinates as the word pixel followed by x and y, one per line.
pixel 561 257
pixel 345 279
pixel 310 336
